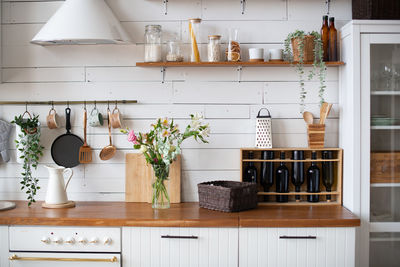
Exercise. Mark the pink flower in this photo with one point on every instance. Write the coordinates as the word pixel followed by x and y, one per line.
pixel 132 137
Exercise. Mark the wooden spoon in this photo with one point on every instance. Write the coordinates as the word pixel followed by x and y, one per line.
pixel 324 112
pixel 109 151
pixel 308 117
pixel 85 152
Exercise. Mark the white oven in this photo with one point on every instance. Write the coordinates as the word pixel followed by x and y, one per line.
pixel 64 246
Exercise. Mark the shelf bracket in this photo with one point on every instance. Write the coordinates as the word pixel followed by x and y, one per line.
pixel 242 5
pixel 163 70
pixel 328 6
pixel 239 73
pixel 165 4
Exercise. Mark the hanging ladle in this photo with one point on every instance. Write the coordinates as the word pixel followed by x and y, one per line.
pixel 109 151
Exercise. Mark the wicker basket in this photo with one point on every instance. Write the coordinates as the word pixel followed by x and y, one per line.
pixel 308 48
pixel 227 196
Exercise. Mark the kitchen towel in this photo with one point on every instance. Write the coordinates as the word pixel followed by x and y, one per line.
pixel 5 131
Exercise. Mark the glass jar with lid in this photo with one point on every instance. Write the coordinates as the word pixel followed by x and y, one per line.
pixel 152 45
pixel 194 35
pixel 214 48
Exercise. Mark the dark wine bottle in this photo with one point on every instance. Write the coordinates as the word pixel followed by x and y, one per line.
pixel 333 49
pixel 327 172
pixel 282 181
pixel 250 172
pixel 325 38
pixel 267 172
pixel 313 175
pixel 297 171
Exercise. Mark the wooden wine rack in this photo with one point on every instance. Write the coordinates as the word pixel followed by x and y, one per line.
pixel 336 193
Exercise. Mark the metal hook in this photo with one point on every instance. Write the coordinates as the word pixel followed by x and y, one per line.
pixel 95 106
pixel 116 103
pixel 67 104
pixel 84 104
pixel 108 104
pixel 52 104
pixel 26 106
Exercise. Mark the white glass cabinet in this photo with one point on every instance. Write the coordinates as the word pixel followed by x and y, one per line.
pixel 370 102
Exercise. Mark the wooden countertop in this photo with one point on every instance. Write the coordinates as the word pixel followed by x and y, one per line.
pixel 179 215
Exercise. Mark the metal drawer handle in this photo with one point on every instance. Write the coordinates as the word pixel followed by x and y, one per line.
pixel 180 236
pixel 298 237
pixel 16 258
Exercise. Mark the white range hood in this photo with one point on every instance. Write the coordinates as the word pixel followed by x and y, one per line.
pixel 82 22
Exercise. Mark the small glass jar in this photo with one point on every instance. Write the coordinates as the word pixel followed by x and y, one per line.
pixel 214 48
pixel 233 50
pixel 174 52
pixel 194 35
pixel 152 45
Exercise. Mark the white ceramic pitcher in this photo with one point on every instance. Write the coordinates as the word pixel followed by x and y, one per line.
pixel 56 188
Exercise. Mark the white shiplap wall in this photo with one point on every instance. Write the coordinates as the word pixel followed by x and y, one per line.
pixel 33 72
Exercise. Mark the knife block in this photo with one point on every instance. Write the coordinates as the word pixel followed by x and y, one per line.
pixel 316 135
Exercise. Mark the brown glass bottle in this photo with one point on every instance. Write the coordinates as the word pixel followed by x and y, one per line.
pixel 333 52
pixel 325 38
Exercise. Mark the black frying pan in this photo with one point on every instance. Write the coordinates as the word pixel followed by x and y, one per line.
pixel 65 149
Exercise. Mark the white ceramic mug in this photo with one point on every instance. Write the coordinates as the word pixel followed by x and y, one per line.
pixel 256 54
pixel 276 54
pixel 95 118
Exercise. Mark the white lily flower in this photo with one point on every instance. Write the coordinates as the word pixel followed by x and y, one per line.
pixel 143 149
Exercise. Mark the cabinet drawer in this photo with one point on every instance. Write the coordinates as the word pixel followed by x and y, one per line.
pixel 154 246
pixel 289 247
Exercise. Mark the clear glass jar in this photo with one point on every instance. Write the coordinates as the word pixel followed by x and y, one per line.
pixel 214 48
pixel 233 50
pixel 194 35
pixel 152 45
pixel 174 52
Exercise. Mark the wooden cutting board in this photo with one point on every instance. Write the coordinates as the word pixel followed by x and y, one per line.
pixel 138 175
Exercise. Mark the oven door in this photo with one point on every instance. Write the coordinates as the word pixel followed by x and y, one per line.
pixel 39 259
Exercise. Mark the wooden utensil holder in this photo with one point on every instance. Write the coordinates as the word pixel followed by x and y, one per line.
pixel 316 135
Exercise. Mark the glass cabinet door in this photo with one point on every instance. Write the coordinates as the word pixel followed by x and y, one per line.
pixel 383 104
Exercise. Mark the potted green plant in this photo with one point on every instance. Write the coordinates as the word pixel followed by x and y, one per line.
pixel 300 48
pixel 28 152
pixel 160 146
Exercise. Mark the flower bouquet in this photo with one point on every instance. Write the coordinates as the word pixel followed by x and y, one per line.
pixel 160 146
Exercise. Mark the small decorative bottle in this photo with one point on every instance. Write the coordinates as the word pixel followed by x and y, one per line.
pixel 333 51
pixel 313 176
pixel 250 173
pixel 325 38
pixel 282 181
pixel 267 171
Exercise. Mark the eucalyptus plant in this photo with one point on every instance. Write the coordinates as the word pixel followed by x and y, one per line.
pixel 28 143
pixel 318 69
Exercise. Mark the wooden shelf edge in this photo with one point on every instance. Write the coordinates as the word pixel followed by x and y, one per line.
pixel 225 63
pixel 291 149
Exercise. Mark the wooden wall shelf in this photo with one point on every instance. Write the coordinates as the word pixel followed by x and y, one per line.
pixel 268 198
pixel 225 64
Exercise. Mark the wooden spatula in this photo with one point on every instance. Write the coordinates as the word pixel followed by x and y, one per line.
pixel 85 152
pixel 324 112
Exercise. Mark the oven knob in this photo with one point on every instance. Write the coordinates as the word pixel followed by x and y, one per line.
pixel 82 240
pixel 45 240
pixel 94 240
pixel 70 240
pixel 57 240
pixel 107 241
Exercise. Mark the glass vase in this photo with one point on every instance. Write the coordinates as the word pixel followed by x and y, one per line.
pixel 160 198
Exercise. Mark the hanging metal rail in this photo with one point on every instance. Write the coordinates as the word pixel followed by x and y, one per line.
pixel 66 102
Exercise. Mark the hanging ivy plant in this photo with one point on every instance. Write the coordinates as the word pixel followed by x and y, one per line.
pixel 28 143
pixel 318 69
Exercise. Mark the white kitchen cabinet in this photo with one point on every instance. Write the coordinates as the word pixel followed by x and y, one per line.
pixel 3 246
pixel 297 247
pixel 370 129
pixel 174 246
